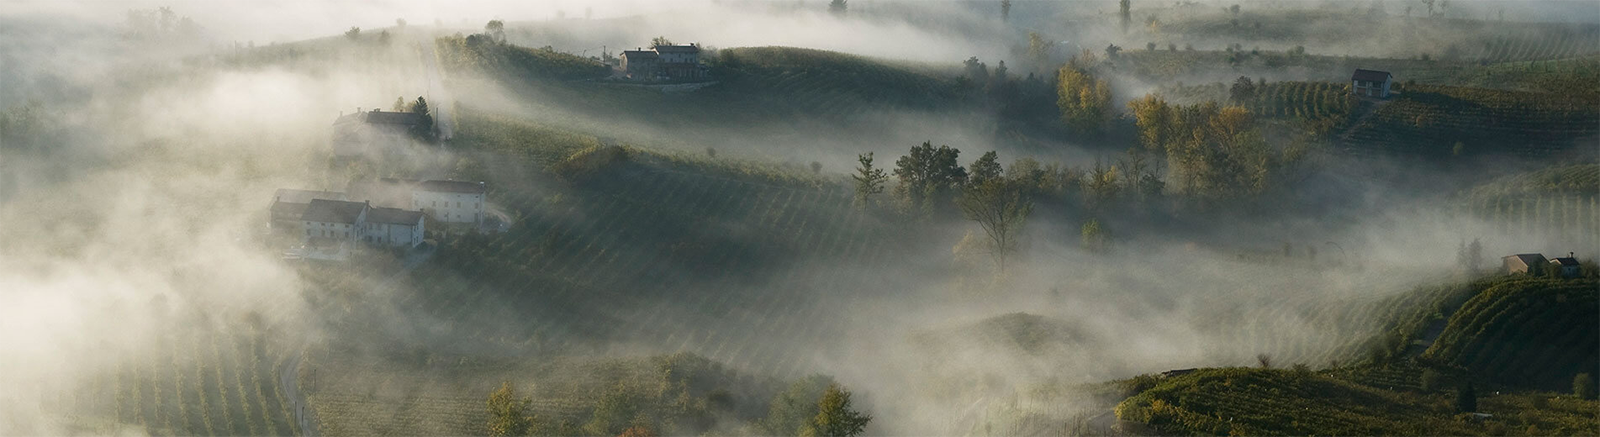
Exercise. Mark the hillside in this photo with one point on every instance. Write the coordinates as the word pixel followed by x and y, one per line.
pixel 1241 401
pixel 1430 120
pixel 478 53
pixel 1562 201
pixel 1535 333
pixel 676 394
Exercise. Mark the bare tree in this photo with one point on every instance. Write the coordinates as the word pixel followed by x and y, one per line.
pixel 1001 210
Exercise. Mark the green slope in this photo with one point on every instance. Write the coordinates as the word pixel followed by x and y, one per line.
pixel 1535 333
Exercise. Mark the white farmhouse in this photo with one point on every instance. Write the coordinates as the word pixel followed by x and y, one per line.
pixel 288 205
pixel 450 201
pixel 393 227
pixel 334 220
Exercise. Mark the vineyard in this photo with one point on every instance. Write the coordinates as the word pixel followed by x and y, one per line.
pixel 477 53
pixel 1560 203
pixel 1535 332
pixel 660 254
pixel 1242 401
pixel 218 379
pixel 1431 121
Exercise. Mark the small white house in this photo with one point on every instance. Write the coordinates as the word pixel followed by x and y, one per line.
pixel 1371 83
pixel 393 227
pixel 450 201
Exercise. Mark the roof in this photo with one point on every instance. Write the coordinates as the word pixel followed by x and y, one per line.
pixel 1529 258
pixel 285 195
pixel 403 118
pixel 1566 261
pixel 393 216
pixel 287 210
pixel 1371 75
pixel 678 49
pixel 448 186
pixel 639 54
pixel 333 211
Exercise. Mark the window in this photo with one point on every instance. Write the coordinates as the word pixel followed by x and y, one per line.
pixel 458 204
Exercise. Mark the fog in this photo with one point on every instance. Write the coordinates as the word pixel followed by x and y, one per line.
pixel 133 225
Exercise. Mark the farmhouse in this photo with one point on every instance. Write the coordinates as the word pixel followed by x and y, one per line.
pixel 360 133
pixel 663 62
pixel 1525 263
pixel 640 64
pixel 288 205
pixel 334 220
pixel 1371 83
pixel 1569 265
pixel 450 201
pixel 393 227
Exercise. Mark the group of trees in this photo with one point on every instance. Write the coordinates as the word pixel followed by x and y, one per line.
pixel 1214 151
pixel 811 407
pixel 1084 100
pixel 421 131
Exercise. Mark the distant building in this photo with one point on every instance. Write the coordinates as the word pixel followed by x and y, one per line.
pixel 664 62
pixel 1570 268
pixel 1525 263
pixel 361 133
pixel 640 64
pixel 288 205
pixel 334 220
pixel 393 227
pixel 1371 83
pixel 450 201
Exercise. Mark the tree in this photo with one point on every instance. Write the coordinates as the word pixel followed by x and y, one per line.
pixel 1125 10
pixel 1005 10
pixel 834 417
pixel 976 71
pixel 400 23
pixel 838 7
pixel 1466 400
pixel 791 412
pixel 1583 386
pixel 353 34
pixel 869 181
pixel 1430 380
pixel 496 30
pixel 1084 100
pixel 508 415
pixel 383 38
pixel 985 169
pixel 1150 46
pixel 1264 360
pixel 1429 4
pixel 399 104
pixel 1039 49
pixel 660 41
pixel 928 174
pixel 1001 210
pixel 424 129
pixel 816 167
pixel 1154 118
pixel 1234 9
pixel 1095 238
pixel 1243 90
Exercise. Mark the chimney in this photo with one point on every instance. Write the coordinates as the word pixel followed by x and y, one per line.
pixel 1571 255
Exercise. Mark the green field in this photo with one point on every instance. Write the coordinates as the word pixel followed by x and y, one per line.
pixel 1532 333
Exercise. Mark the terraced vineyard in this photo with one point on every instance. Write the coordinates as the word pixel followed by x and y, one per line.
pixel 1535 332
pixel 1562 203
pixel 645 256
pixel 1430 120
pixel 220 379
pixel 1286 402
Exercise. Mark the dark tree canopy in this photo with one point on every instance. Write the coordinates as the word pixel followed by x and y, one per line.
pixel 928 175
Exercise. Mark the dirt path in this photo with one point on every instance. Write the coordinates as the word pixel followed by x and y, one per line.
pixel 439 99
pixel 1344 137
pixel 288 374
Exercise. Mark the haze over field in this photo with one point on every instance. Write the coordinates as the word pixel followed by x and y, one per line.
pixel 672 255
